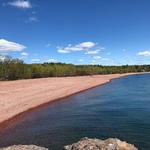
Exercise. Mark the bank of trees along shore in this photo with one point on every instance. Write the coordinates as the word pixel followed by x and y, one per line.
pixel 14 69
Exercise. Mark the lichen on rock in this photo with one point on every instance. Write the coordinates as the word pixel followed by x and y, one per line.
pixel 97 144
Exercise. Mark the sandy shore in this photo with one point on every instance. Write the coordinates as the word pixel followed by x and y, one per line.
pixel 22 95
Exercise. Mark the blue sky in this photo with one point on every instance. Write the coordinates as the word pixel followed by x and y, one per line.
pixel 107 32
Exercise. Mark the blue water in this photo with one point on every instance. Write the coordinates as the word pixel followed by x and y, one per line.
pixel 118 109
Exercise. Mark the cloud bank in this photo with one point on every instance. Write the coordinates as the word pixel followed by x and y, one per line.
pixel 85 46
pixel 8 46
pixel 144 53
pixel 25 4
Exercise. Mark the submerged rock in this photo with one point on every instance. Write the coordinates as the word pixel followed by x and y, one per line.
pixel 97 144
pixel 24 147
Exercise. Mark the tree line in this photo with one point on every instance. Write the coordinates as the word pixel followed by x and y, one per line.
pixel 14 69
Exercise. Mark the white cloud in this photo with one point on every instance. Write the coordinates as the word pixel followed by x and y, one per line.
pixel 144 53
pixel 33 19
pixel 8 46
pixel 25 4
pixel 24 54
pixel 63 51
pixel 93 52
pixel 80 60
pixel 105 59
pixel 100 60
pixel 51 60
pixel 97 57
pixel 36 60
pixel 85 46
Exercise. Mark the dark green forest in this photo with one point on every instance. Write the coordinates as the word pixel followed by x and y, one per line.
pixel 14 69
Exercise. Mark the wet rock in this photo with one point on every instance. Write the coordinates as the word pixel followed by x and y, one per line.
pixel 97 144
pixel 24 147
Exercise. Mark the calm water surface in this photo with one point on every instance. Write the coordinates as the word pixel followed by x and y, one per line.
pixel 119 109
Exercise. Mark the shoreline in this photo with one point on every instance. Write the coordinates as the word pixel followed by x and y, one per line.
pixel 36 96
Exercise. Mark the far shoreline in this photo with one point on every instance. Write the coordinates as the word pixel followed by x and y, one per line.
pixel 26 102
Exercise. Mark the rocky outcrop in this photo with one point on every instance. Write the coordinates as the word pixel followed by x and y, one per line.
pixel 24 147
pixel 96 144
pixel 83 144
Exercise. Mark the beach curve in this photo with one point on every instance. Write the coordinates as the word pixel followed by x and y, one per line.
pixel 20 96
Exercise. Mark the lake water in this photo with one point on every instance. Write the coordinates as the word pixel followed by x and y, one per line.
pixel 118 109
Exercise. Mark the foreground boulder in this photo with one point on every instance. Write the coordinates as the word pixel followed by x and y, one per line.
pixel 24 147
pixel 83 144
pixel 96 144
